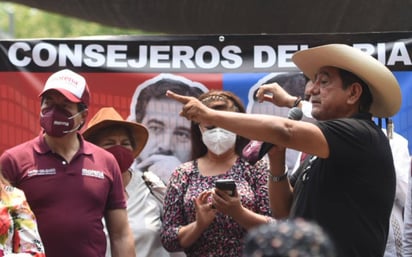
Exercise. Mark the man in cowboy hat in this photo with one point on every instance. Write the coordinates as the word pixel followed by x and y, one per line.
pixel 401 158
pixel 349 186
pixel 70 183
pixel 125 140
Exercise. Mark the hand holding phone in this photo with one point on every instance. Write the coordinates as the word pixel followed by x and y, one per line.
pixel 227 185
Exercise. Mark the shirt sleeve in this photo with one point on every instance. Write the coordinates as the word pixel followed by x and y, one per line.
pixel 8 166
pixel 173 216
pixel 260 187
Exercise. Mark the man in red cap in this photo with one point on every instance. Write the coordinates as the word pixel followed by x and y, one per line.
pixel 70 183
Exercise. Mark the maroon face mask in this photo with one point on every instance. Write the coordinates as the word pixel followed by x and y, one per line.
pixel 124 156
pixel 56 121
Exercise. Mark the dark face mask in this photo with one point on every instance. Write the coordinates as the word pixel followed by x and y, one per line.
pixel 57 122
pixel 124 156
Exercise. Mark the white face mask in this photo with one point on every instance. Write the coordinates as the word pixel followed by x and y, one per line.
pixel 218 140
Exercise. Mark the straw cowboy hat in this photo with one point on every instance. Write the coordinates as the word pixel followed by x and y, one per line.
pixel 108 116
pixel 382 83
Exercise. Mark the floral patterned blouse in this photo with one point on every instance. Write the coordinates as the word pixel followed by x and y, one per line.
pixel 19 236
pixel 224 237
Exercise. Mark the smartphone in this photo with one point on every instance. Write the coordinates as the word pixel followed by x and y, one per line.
pixel 227 185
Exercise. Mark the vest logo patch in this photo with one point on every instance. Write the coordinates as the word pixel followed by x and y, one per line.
pixel 93 173
pixel 41 172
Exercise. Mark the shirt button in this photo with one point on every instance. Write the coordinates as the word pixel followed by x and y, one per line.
pixel 64 162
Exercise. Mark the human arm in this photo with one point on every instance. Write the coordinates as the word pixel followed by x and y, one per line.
pixel 120 234
pixel 301 136
pixel 232 206
pixel 280 192
pixel 205 215
pixel 275 94
pixel 186 214
pixel 249 206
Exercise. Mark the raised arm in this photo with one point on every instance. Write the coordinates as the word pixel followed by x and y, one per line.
pixel 301 136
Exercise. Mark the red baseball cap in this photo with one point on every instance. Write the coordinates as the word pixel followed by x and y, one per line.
pixel 70 84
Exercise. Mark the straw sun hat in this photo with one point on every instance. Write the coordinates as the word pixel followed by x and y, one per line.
pixel 108 116
pixel 382 83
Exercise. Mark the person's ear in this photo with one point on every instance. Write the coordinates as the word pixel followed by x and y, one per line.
pixel 354 92
pixel 84 114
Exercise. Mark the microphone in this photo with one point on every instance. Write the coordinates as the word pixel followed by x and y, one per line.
pixel 255 150
pixel 295 113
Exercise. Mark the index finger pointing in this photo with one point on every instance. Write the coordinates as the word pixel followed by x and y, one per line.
pixel 180 98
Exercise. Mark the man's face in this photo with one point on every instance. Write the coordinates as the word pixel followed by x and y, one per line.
pixel 53 98
pixel 329 99
pixel 169 133
pixel 113 137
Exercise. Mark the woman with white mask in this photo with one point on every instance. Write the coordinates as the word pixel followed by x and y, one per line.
pixel 202 220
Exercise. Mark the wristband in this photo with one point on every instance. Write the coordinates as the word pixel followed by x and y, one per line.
pixel 297 101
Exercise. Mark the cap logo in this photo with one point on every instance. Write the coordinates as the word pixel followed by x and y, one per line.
pixel 69 83
pixel 69 80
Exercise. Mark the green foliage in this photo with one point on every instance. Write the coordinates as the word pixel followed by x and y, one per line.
pixel 25 22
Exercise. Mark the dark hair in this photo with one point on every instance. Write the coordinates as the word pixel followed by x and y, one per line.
pixel 292 237
pixel 366 99
pixel 233 103
pixel 305 96
pixel 81 107
pixel 158 90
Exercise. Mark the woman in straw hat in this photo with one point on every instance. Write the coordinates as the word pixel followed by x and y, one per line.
pixel 125 140
pixel 349 186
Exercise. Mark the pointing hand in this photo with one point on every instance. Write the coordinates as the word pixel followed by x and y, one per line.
pixel 192 109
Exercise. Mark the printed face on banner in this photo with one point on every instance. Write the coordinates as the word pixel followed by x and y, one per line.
pixel 169 133
pixel 169 143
